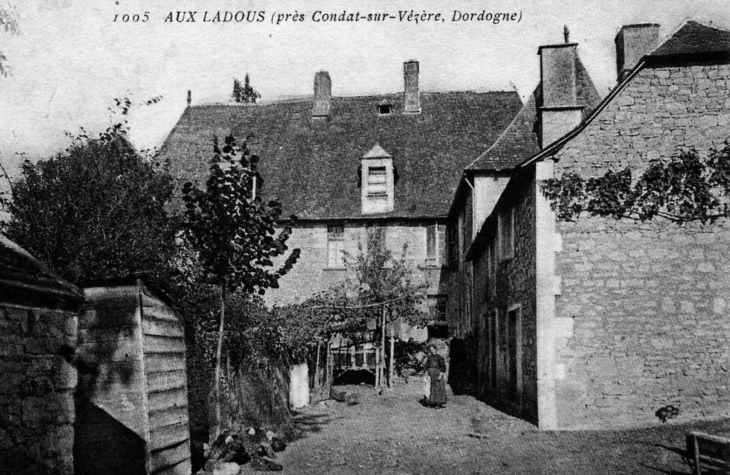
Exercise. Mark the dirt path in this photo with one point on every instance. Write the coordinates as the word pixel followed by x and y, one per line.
pixel 394 434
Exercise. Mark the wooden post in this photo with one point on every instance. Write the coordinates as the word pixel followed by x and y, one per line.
pixel 316 371
pixel 698 469
pixel 382 343
pixel 377 367
pixel 392 354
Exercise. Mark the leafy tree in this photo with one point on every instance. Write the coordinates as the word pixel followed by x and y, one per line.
pixel 233 232
pixel 687 186
pixel 9 24
pixel 244 93
pixel 380 287
pixel 96 210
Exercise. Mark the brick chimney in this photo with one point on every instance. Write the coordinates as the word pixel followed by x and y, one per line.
pixel 632 43
pixel 560 111
pixel 411 98
pixel 322 95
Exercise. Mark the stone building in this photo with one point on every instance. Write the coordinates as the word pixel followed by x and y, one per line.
pixel 484 179
pixel 599 322
pixel 38 321
pixel 347 165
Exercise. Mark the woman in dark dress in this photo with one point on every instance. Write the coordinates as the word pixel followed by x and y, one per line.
pixel 436 370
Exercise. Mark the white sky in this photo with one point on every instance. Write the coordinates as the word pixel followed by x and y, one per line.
pixel 70 60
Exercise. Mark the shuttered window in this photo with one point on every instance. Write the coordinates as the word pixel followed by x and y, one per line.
pixel 335 246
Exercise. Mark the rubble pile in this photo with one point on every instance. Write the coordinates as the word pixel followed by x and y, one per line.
pixel 232 450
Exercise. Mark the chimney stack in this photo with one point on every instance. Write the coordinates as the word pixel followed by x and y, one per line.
pixel 632 43
pixel 560 111
pixel 322 94
pixel 411 99
pixel 190 97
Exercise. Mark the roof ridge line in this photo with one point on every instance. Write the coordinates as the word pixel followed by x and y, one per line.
pixel 309 98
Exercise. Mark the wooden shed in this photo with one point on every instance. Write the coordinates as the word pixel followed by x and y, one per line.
pixel 132 405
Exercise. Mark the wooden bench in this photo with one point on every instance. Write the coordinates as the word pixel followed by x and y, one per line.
pixel 709 450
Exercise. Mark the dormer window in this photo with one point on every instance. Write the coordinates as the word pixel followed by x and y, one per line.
pixel 377 181
pixel 377 188
pixel 384 109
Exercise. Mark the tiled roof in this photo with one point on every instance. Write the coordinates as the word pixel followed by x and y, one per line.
pixel 520 139
pixel 312 165
pixel 694 38
pixel 26 281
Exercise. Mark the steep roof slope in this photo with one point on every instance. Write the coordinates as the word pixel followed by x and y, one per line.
pixel 694 38
pixel 520 139
pixel 312 165
pixel 26 281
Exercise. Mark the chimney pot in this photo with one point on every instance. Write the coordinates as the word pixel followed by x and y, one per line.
pixel 411 96
pixel 322 94
pixel 632 43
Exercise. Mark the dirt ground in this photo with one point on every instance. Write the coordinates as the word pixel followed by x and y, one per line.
pixel 393 434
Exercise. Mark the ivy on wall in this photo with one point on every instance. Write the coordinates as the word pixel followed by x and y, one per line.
pixel 687 186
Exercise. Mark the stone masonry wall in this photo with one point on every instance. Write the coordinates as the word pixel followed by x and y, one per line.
pixel 514 286
pixel 648 300
pixel 660 109
pixel 36 395
pixel 650 307
pixel 311 274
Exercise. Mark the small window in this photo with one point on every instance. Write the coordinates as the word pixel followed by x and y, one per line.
pixel 506 234
pixel 335 246
pixel 437 309
pixel 384 109
pixel 453 244
pixel 375 239
pixel 377 183
pixel 435 245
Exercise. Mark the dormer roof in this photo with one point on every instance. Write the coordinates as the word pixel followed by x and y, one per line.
pixel 377 152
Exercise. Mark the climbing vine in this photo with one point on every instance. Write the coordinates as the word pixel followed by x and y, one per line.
pixel 688 186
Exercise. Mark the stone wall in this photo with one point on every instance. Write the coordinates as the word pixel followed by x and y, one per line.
pixel 511 287
pixel 311 273
pixel 36 395
pixel 647 301
pixel 660 109
pixel 650 309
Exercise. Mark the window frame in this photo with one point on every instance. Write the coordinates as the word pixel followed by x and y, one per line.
pixel 436 245
pixel 336 243
pixel 506 242
pixel 377 190
pixel 387 106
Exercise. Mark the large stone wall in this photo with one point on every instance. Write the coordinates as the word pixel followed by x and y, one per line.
pixel 647 301
pixel 650 307
pixel 514 287
pixel 660 109
pixel 311 273
pixel 36 395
